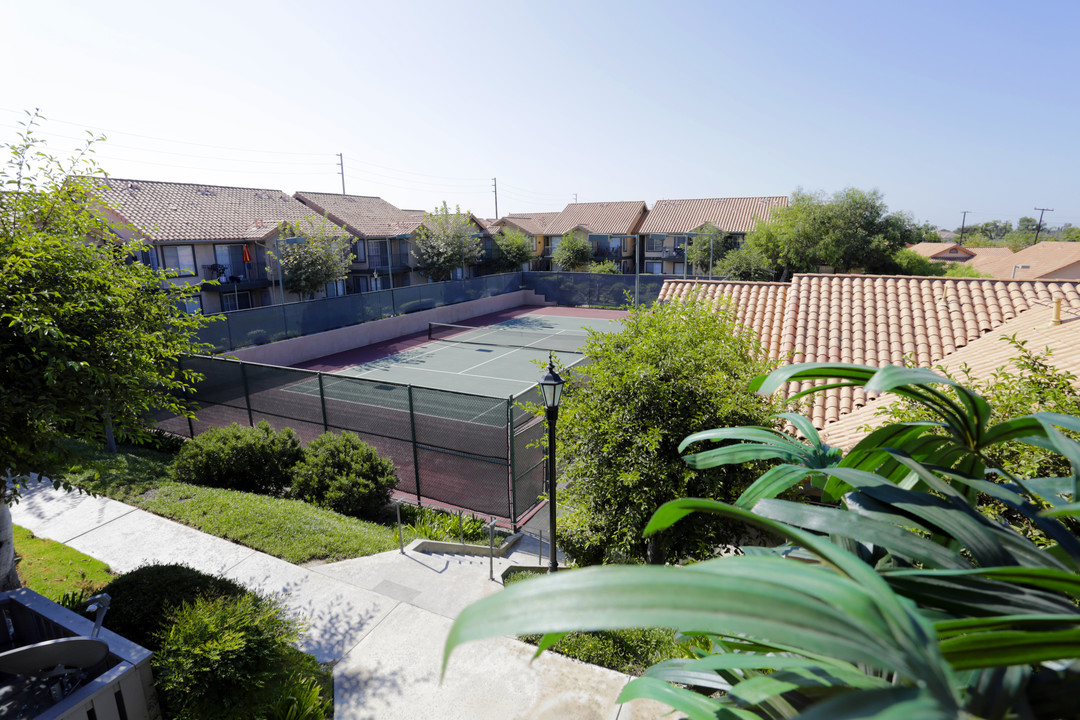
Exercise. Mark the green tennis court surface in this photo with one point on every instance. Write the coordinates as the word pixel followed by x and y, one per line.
pixel 466 364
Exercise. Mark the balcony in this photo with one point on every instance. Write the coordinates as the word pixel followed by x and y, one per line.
pixel 402 262
pixel 235 277
pixel 673 253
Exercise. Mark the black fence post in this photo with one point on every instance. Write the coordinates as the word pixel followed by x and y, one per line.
pixel 415 454
pixel 322 399
pixel 247 393
pixel 512 504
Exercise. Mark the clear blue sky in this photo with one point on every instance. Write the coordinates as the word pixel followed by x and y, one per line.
pixel 943 106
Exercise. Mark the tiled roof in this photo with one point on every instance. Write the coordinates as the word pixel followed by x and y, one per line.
pixel 164 211
pixel 736 215
pixel 757 305
pixel 930 249
pixel 982 357
pixel 878 320
pixel 363 216
pixel 528 223
pixel 1045 260
pixel 603 218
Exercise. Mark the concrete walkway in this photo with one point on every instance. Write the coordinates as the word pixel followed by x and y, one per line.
pixel 381 619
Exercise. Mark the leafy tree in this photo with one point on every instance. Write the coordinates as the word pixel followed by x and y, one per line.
pixel 673 368
pixel 959 269
pixel 574 251
pixel 445 242
pixel 1019 239
pixel 90 336
pixel 1027 225
pixel 605 267
pixel 909 262
pixel 513 249
pixel 993 229
pixel 744 263
pixel 850 229
pixel 894 598
pixel 708 246
pixel 323 256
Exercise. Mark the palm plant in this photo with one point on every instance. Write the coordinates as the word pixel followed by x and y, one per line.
pixel 894 598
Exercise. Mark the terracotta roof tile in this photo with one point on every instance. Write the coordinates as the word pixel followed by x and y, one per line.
pixel 874 320
pixel 736 215
pixel 364 216
pixel 165 211
pixel 1045 260
pixel 605 218
pixel 982 356
pixel 528 223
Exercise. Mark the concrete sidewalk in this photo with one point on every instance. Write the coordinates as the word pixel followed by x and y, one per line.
pixel 381 619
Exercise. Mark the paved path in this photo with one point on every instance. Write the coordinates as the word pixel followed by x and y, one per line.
pixel 381 619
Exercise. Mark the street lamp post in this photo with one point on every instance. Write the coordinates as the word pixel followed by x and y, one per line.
pixel 551 386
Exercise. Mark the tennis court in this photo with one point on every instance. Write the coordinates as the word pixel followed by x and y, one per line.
pixel 500 360
pixel 443 405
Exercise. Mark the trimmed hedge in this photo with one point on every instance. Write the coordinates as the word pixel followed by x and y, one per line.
pixel 251 459
pixel 142 598
pixel 344 474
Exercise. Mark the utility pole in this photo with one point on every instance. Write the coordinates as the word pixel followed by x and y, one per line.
pixel 1038 228
pixel 341 171
pixel 963 222
pixel 495 187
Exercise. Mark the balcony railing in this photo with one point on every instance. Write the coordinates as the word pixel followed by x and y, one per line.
pixel 233 273
pixel 673 253
pixel 380 259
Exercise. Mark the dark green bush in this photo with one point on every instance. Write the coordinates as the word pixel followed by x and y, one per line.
pixel 344 474
pixel 227 657
pixel 142 598
pixel 251 459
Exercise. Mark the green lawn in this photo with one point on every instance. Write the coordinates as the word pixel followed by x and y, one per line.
pixel 53 569
pixel 289 529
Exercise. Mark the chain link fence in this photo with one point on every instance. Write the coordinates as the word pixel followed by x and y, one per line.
pixel 469 451
pixel 258 326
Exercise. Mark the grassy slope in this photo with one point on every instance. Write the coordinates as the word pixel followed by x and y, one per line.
pixel 289 529
pixel 53 569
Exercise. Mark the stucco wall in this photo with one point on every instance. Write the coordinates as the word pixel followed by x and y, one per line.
pixel 309 347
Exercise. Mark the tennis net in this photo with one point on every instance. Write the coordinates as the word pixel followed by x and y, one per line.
pixel 507 337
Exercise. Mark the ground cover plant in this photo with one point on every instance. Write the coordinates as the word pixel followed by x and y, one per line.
pixel 896 597
pixel 56 570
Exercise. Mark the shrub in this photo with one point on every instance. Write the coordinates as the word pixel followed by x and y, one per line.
pixel 141 599
pixel 251 459
pixel 225 657
pixel 344 474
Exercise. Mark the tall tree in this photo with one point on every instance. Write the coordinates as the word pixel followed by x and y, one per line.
pixel 323 255
pixel 850 229
pixel 90 336
pixel 513 249
pixel 574 252
pixel 708 246
pixel 673 369
pixel 446 241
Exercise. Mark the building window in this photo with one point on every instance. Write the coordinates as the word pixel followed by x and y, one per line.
pixel 654 243
pixel 235 301
pixel 191 304
pixel 654 268
pixel 335 289
pixel 359 249
pixel 179 260
pixel 679 268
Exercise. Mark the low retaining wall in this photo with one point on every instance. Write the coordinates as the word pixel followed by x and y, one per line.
pixel 308 347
